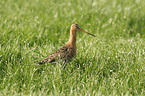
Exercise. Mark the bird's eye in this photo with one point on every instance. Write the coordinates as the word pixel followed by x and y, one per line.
pixel 77 27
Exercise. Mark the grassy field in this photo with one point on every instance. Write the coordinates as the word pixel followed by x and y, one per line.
pixel 112 63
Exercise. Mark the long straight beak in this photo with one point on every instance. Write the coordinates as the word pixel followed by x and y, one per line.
pixel 87 32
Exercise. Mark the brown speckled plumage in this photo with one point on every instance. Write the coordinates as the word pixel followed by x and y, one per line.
pixel 68 51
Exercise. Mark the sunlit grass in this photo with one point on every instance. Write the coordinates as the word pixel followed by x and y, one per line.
pixel 112 63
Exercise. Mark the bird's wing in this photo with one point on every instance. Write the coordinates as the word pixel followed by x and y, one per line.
pixel 61 53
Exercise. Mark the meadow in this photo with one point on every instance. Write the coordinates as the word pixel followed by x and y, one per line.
pixel 112 63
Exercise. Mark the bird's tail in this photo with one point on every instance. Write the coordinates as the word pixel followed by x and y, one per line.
pixel 46 60
pixel 41 62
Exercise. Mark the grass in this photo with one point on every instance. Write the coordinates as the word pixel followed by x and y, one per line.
pixel 110 64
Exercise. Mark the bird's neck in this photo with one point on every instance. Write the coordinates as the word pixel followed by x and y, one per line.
pixel 72 39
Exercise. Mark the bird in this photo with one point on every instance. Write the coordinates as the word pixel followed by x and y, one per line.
pixel 67 52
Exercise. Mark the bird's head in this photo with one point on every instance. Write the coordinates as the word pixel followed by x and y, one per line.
pixel 76 27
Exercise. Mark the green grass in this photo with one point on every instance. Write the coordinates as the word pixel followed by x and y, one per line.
pixel 112 63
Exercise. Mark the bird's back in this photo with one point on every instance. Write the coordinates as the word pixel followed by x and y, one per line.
pixel 65 53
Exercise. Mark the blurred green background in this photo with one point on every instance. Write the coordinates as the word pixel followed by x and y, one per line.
pixel 112 63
